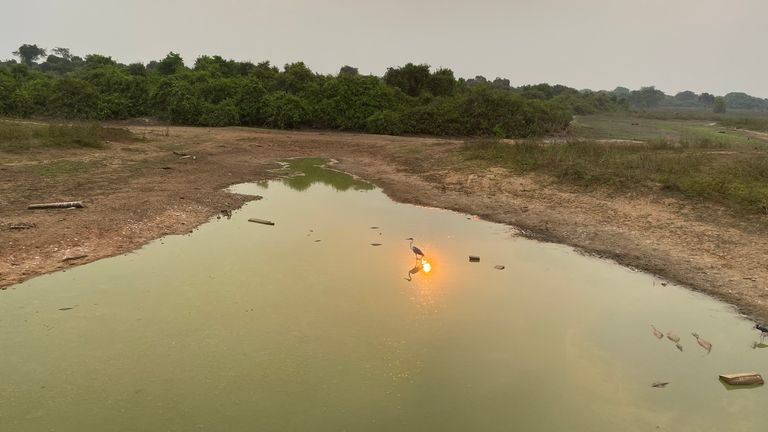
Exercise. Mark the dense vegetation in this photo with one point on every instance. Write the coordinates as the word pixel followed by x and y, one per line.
pixel 410 99
pixel 697 169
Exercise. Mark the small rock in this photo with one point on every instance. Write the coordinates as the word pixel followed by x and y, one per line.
pixel 499 267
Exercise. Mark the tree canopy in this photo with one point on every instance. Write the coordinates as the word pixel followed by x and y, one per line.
pixel 213 91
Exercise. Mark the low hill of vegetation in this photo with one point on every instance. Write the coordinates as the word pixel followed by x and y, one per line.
pixel 412 99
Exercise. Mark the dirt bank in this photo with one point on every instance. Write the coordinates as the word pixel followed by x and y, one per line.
pixel 136 192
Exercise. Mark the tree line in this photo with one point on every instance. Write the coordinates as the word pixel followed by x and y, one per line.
pixel 651 97
pixel 410 99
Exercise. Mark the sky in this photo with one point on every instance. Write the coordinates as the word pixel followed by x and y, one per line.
pixel 701 45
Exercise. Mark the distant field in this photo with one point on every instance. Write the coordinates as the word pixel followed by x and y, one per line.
pixel 20 136
pixel 698 159
pixel 635 126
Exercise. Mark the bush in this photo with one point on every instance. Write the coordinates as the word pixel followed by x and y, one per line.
pixel 285 111
pixel 385 122
pixel 223 114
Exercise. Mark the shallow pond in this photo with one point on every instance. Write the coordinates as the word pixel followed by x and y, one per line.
pixel 306 326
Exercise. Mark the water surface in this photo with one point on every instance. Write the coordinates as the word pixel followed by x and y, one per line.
pixel 306 326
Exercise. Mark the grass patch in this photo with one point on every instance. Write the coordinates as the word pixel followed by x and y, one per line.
pixel 65 167
pixel 24 136
pixel 699 168
pixel 633 127
pixel 750 123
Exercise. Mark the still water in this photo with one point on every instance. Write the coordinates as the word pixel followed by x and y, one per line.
pixel 305 326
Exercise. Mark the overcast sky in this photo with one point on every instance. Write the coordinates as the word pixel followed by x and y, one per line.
pixel 702 45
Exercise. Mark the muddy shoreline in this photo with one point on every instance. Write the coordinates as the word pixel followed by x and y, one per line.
pixel 137 192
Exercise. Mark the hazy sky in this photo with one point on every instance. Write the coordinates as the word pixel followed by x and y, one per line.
pixel 701 45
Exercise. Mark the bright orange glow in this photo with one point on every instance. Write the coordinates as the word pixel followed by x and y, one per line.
pixel 426 266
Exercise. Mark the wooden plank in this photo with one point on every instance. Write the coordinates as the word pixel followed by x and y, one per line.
pixel 56 205
pixel 749 378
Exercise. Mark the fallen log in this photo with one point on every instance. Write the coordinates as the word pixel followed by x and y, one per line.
pixel 56 205
pixel 261 221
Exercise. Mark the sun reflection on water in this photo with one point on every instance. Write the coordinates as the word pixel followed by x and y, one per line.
pixel 425 265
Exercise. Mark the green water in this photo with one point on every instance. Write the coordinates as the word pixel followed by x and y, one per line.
pixel 246 327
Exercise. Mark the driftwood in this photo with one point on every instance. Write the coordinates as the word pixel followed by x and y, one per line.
pixel 261 221
pixel 74 257
pixel 751 378
pixel 56 205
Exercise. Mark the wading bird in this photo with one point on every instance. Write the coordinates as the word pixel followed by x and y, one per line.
pixel 763 331
pixel 415 249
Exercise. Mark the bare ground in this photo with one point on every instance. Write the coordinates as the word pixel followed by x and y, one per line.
pixel 136 192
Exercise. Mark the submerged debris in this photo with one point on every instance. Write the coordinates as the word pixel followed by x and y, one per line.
pixel 375 244
pixel 499 267
pixel 704 344
pixel 474 258
pixel 261 221
pixel 66 308
pixel 678 346
pixel 763 330
pixel 673 337
pixel 660 384
pixel 656 332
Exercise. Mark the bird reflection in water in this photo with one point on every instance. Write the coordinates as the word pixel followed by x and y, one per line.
pixel 421 265
pixel 413 271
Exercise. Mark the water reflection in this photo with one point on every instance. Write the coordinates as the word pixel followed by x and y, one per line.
pixel 313 170
pixel 413 271
pixel 421 265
